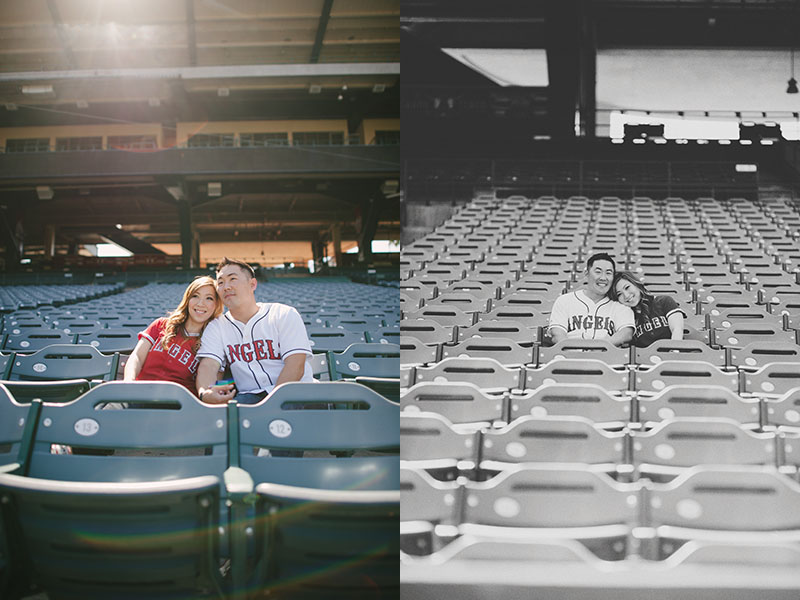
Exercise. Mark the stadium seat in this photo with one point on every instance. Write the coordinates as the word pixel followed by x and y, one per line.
pixel 426 331
pixel 678 372
pixel 688 350
pixel 414 352
pixel 33 339
pixel 315 543
pixel 64 361
pixel 746 332
pixel 698 401
pixel 508 329
pixel 383 335
pixel 566 399
pixel 164 474
pixel 296 417
pixel 543 496
pixel 362 359
pixel 111 339
pixel 773 379
pixel 486 373
pixel 675 444
pixel 505 351
pixel 571 370
pixel 553 440
pixel 429 441
pixel 458 402
pixel 324 339
pixel 601 350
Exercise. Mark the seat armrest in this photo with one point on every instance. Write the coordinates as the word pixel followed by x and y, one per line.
pixel 239 485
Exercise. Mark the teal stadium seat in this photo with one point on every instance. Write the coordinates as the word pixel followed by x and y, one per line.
pixel 361 428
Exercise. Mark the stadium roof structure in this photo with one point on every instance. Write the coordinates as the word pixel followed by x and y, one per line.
pixel 150 62
pixel 448 46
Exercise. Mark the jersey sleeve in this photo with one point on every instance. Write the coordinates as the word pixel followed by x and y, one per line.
pixel 666 305
pixel 558 314
pixel 153 331
pixel 624 317
pixel 211 345
pixel 293 336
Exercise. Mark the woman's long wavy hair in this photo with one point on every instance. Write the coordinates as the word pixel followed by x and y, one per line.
pixel 647 297
pixel 178 317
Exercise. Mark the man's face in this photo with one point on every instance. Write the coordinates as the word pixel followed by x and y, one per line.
pixel 235 286
pixel 600 276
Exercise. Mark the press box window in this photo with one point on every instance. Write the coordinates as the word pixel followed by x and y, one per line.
pixel 318 138
pixel 79 143
pixel 28 145
pixel 211 140
pixel 132 142
pixel 263 139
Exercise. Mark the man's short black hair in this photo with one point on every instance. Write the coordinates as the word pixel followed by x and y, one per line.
pixel 601 256
pixel 248 270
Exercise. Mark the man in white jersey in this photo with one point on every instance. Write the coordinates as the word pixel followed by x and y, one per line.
pixel 588 313
pixel 264 344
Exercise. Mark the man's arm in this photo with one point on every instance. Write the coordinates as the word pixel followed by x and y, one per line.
pixel 623 336
pixel 206 377
pixel 293 368
pixel 557 334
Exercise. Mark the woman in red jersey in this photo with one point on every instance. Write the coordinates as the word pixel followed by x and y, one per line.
pixel 167 348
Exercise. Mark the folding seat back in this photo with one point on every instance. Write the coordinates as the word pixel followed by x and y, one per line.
pixel 446 316
pixel 675 444
pixel 572 399
pixel 683 350
pixel 553 440
pixel 296 417
pixel 426 331
pixel 464 301
pixel 111 339
pixel 699 401
pixel 414 352
pixel 324 339
pixel 735 498
pixel 784 412
pixel 601 350
pixel 315 543
pixel 384 335
pixel 356 324
pixel 185 438
pixel 486 373
pixel 773 379
pixel 570 370
pixel 370 360
pixel 679 372
pixel 728 318
pixel 524 316
pixel 33 339
pixel 508 329
pixel 505 351
pixel 6 360
pixel 746 332
pixel 550 496
pixel 430 437
pixel 59 391
pixel 424 498
pixel 457 402
pixel 757 354
pixel 64 361
pixel 14 428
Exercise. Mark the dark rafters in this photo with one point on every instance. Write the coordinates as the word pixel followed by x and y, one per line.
pixel 323 25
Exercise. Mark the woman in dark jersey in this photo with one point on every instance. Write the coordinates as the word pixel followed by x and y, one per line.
pixel 657 317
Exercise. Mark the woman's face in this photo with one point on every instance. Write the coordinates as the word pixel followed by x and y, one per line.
pixel 627 293
pixel 202 304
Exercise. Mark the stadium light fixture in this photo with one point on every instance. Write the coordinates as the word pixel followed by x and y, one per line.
pixel 214 189
pixel 44 192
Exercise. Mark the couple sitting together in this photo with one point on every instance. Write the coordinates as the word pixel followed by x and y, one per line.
pixel 263 344
pixel 615 307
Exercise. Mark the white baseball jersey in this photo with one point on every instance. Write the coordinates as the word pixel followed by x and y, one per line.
pixel 255 350
pixel 582 318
